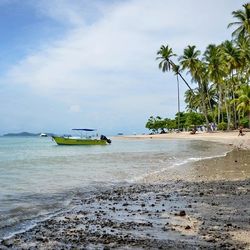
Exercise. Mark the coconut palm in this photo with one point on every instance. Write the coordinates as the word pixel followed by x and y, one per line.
pixel 216 70
pixel 243 45
pixel 190 61
pixel 222 75
pixel 242 23
pixel 165 53
pixel 243 101
pixel 176 70
pixel 192 99
pixel 231 55
pixel 166 63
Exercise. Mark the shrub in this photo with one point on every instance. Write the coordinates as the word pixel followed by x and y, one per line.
pixel 222 126
pixel 244 122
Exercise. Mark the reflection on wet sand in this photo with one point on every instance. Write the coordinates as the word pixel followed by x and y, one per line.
pixel 234 166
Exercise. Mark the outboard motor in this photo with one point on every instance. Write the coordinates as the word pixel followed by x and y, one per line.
pixel 103 137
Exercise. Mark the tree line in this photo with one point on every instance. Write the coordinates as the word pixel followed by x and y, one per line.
pixel 186 120
pixel 221 75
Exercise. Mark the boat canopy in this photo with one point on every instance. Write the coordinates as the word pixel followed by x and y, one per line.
pixel 84 129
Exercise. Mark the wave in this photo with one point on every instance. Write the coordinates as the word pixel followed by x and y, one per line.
pixel 178 164
pixel 29 224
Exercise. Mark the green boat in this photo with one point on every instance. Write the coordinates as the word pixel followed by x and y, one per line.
pixel 81 140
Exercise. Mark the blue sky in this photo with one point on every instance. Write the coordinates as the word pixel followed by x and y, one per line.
pixel 81 63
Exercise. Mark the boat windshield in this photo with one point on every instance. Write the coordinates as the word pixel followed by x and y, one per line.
pixel 84 129
pixel 84 132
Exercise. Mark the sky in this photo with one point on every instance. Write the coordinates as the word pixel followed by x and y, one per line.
pixel 92 64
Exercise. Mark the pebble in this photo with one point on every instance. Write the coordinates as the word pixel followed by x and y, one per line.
pixel 182 213
pixel 119 229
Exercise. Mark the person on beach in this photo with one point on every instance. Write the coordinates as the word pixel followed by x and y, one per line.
pixel 193 131
pixel 241 131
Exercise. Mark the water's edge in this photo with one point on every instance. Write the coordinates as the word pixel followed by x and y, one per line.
pixel 96 189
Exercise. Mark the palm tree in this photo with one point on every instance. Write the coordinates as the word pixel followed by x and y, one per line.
pixel 190 61
pixel 192 100
pixel 243 45
pixel 165 53
pixel 166 63
pixel 243 101
pixel 176 70
pixel 242 23
pixel 231 55
pixel 216 70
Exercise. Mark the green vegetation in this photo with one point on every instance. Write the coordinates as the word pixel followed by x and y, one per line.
pixel 187 121
pixel 221 74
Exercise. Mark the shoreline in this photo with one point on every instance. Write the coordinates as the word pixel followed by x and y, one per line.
pixel 198 210
pixel 230 138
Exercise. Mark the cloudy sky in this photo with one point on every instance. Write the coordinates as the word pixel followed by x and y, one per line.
pixel 82 63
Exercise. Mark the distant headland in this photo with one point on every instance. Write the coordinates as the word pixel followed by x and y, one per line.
pixel 26 134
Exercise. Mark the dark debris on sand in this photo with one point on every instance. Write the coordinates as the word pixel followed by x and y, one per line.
pixel 177 215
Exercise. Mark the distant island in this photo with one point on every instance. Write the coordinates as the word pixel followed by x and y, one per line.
pixel 25 134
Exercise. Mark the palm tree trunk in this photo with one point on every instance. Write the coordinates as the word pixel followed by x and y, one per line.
pixel 228 115
pixel 178 91
pixel 219 104
pixel 222 106
pixel 210 105
pixel 204 109
pixel 185 82
pixel 234 105
pixel 234 111
pixel 238 118
pixel 178 73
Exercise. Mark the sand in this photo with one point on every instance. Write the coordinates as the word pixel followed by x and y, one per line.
pixel 230 138
pixel 204 205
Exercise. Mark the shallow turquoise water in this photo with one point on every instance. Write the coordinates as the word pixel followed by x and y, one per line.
pixel 38 177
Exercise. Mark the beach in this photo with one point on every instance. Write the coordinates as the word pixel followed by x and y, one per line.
pixel 198 205
pixel 229 138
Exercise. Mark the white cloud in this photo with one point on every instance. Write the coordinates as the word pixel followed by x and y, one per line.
pixel 124 40
pixel 67 12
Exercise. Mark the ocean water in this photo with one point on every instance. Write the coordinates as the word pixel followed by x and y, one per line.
pixel 39 178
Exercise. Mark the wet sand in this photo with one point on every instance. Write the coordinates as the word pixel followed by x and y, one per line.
pixel 234 166
pixel 204 205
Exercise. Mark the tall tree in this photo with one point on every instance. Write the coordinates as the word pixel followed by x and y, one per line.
pixel 231 56
pixel 243 45
pixel 222 75
pixel 166 53
pixel 166 64
pixel 242 23
pixel 191 62
pixel 243 101
pixel 192 100
pixel 176 69
pixel 216 71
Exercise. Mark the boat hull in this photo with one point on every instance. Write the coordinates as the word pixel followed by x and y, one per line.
pixel 72 141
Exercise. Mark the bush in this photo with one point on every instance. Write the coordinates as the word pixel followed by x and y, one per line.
pixel 244 122
pixel 222 126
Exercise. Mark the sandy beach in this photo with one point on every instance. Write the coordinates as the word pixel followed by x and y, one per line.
pixel 200 205
pixel 230 138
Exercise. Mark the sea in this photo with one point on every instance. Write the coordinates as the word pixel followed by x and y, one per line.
pixel 39 178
